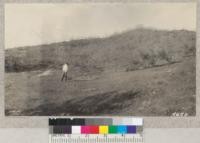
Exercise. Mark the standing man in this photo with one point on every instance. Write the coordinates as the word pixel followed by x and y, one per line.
pixel 64 69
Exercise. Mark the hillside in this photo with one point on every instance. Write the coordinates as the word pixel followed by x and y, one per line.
pixel 141 72
pixel 131 50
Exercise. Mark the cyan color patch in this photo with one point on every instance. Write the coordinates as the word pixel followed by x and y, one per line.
pixel 122 129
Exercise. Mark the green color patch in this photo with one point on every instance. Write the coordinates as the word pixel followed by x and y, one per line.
pixel 112 129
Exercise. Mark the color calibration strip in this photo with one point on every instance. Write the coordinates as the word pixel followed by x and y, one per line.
pixel 95 121
pixel 101 129
pixel 95 126
pixel 96 130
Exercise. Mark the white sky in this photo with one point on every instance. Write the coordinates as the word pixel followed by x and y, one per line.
pixel 33 24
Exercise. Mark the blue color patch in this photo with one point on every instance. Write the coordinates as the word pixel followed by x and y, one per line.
pixel 131 129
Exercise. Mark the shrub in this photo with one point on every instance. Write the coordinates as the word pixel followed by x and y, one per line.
pixel 164 55
pixel 149 58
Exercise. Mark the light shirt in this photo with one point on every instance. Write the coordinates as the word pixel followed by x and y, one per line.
pixel 65 68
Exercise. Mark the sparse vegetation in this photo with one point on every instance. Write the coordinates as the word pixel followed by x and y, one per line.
pixel 152 48
pixel 142 72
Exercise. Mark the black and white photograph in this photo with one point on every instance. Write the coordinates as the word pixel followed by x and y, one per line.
pixel 100 59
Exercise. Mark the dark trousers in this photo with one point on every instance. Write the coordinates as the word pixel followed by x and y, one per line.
pixel 64 77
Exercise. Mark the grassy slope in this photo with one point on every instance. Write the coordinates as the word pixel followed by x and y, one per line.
pixel 136 49
pixel 122 81
pixel 156 91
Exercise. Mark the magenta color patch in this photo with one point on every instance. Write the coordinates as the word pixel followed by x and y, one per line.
pixel 85 129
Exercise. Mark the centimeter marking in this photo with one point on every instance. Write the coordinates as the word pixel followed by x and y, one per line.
pixel 57 138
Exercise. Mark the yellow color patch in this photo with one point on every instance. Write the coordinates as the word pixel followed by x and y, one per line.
pixel 103 129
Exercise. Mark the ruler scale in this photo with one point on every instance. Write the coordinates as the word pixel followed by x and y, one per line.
pixel 96 130
pixel 95 139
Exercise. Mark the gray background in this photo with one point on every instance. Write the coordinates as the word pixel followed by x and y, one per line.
pixel 41 122
pixel 35 129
